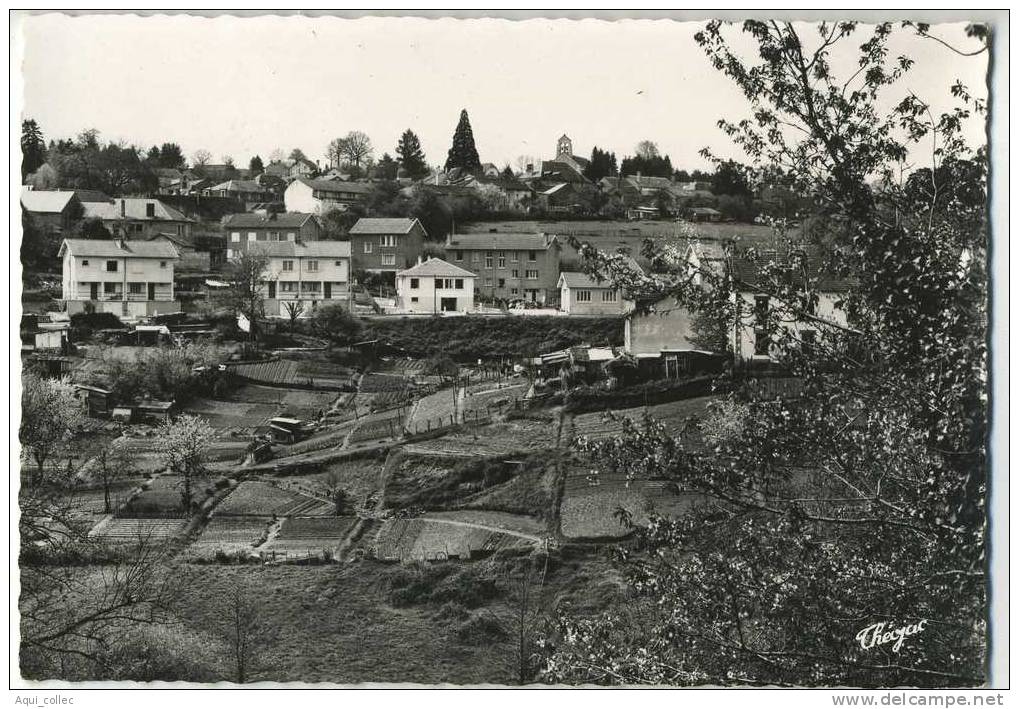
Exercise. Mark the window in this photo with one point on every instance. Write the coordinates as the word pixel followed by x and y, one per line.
pixel 84 262
pixel 761 342
pixel 288 286
pixel 531 275
pixel 137 228
pixel 274 236
pixel 111 266
pixel 514 291
pixel 311 286
pixel 337 263
pixel 368 247
pixel 291 236
pixel 252 236
pixel 502 259
pixel 488 282
pixel 583 296
pixel 313 265
pixel 514 256
pixel 387 240
pixel 135 288
pixel 438 283
pixel 414 299
pixel 475 257
pixel 761 307
pixel 608 296
pixel 262 236
pixel 150 210
pixel 502 282
pixel 532 255
pixel 459 284
pixel 808 341
pixel 229 253
pixel 413 283
pixel 162 264
pixel 109 288
pixel 288 265
pixel 235 236
pixel 488 259
pixel 515 273
pixel 459 255
pixel 389 259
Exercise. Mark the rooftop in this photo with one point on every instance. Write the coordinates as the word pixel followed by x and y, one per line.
pixel 310 249
pixel 380 225
pixel 116 248
pixel 437 267
pixel 46 201
pixel 578 279
pixel 253 220
pixel 133 208
pixel 337 186
pixel 500 240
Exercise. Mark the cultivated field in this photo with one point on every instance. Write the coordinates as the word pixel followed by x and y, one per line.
pixel 262 499
pixel 230 534
pixel 405 539
pixel 435 409
pixel 597 425
pixel 137 530
pixel 493 439
pixel 359 478
pixel 304 535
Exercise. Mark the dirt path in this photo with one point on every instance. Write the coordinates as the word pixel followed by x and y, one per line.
pixel 475 525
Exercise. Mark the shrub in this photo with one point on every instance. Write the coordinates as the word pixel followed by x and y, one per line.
pixel 479 629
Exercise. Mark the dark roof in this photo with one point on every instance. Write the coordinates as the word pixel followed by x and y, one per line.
pixel 336 185
pixel 380 225
pixel 250 220
pixel 797 264
pixel 500 241
pixel 91 196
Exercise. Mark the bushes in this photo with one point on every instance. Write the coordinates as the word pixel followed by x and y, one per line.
pixel 480 628
pixel 585 399
pixel 472 338
pixel 452 587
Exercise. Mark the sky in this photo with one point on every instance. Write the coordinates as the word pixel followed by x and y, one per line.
pixel 244 86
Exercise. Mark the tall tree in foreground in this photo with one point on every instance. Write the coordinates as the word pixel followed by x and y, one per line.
pixel 857 508
pixel 246 275
pixel 33 148
pixel 255 166
pixel 182 444
pixel 50 414
pixel 463 153
pixel 410 155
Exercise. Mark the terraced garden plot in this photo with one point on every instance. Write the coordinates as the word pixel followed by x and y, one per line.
pixel 306 404
pixel 378 429
pixel 232 415
pixel 253 498
pixel 303 536
pixel 489 518
pixel 332 437
pixel 133 530
pixel 90 501
pixel 230 534
pixel 279 371
pixel 589 504
pixel 672 415
pixel 163 496
pixel 375 382
pixel 493 439
pixel 358 477
pixel 428 539
pixel 256 394
pixel 488 396
pixel 436 408
pixel 390 399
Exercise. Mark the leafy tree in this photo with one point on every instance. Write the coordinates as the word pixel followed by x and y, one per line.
pixel 355 148
pixel 336 323
pixel 182 445
pixel 50 413
pixel 298 154
pixel 463 153
pixel 294 310
pixel 507 173
pixel 337 494
pixel 255 166
pixel 387 168
pixel 410 155
pixel 242 627
pixel 647 150
pixel 861 501
pixel 602 164
pixel 654 166
pixel 247 274
pixel 152 156
pixel 730 178
pixel 33 148
pixel 109 465
pixel 201 158
pixel 171 156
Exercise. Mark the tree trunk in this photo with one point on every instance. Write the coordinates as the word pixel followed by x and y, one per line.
pixel 106 495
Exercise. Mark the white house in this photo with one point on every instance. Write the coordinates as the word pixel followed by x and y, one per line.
pixel 581 294
pixel 126 278
pixel 435 286
pixel 323 196
pixel 312 274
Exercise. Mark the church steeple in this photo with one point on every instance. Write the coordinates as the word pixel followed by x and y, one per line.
pixel 564 148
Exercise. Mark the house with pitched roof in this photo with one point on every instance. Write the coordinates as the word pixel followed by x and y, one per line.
pixel 312 274
pixel 51 211
pixel 583 294
pixel 565 163
pixel 509 266
pixel 386 245
pixel 323 196
pixel 126 278
pixel 139 217
pixel 435 286
pixel 249 228
pixel 247 191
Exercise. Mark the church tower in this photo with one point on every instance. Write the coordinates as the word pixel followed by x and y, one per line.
pixel 564 148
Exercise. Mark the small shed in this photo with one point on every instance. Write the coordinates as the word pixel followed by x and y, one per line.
pixel 287 430
pixel 154 411
pixel 97 400
pixel 122 414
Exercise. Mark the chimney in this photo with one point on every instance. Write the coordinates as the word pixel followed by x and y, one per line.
pixel 420 260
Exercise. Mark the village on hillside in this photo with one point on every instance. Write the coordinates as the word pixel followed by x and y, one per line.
pixel 403 420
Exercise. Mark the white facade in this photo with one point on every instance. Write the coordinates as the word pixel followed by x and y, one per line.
pixel 322 196
pixel 128 279
pixel 435 287
pixel 579 294
pixel 751 344
pixel 312 274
